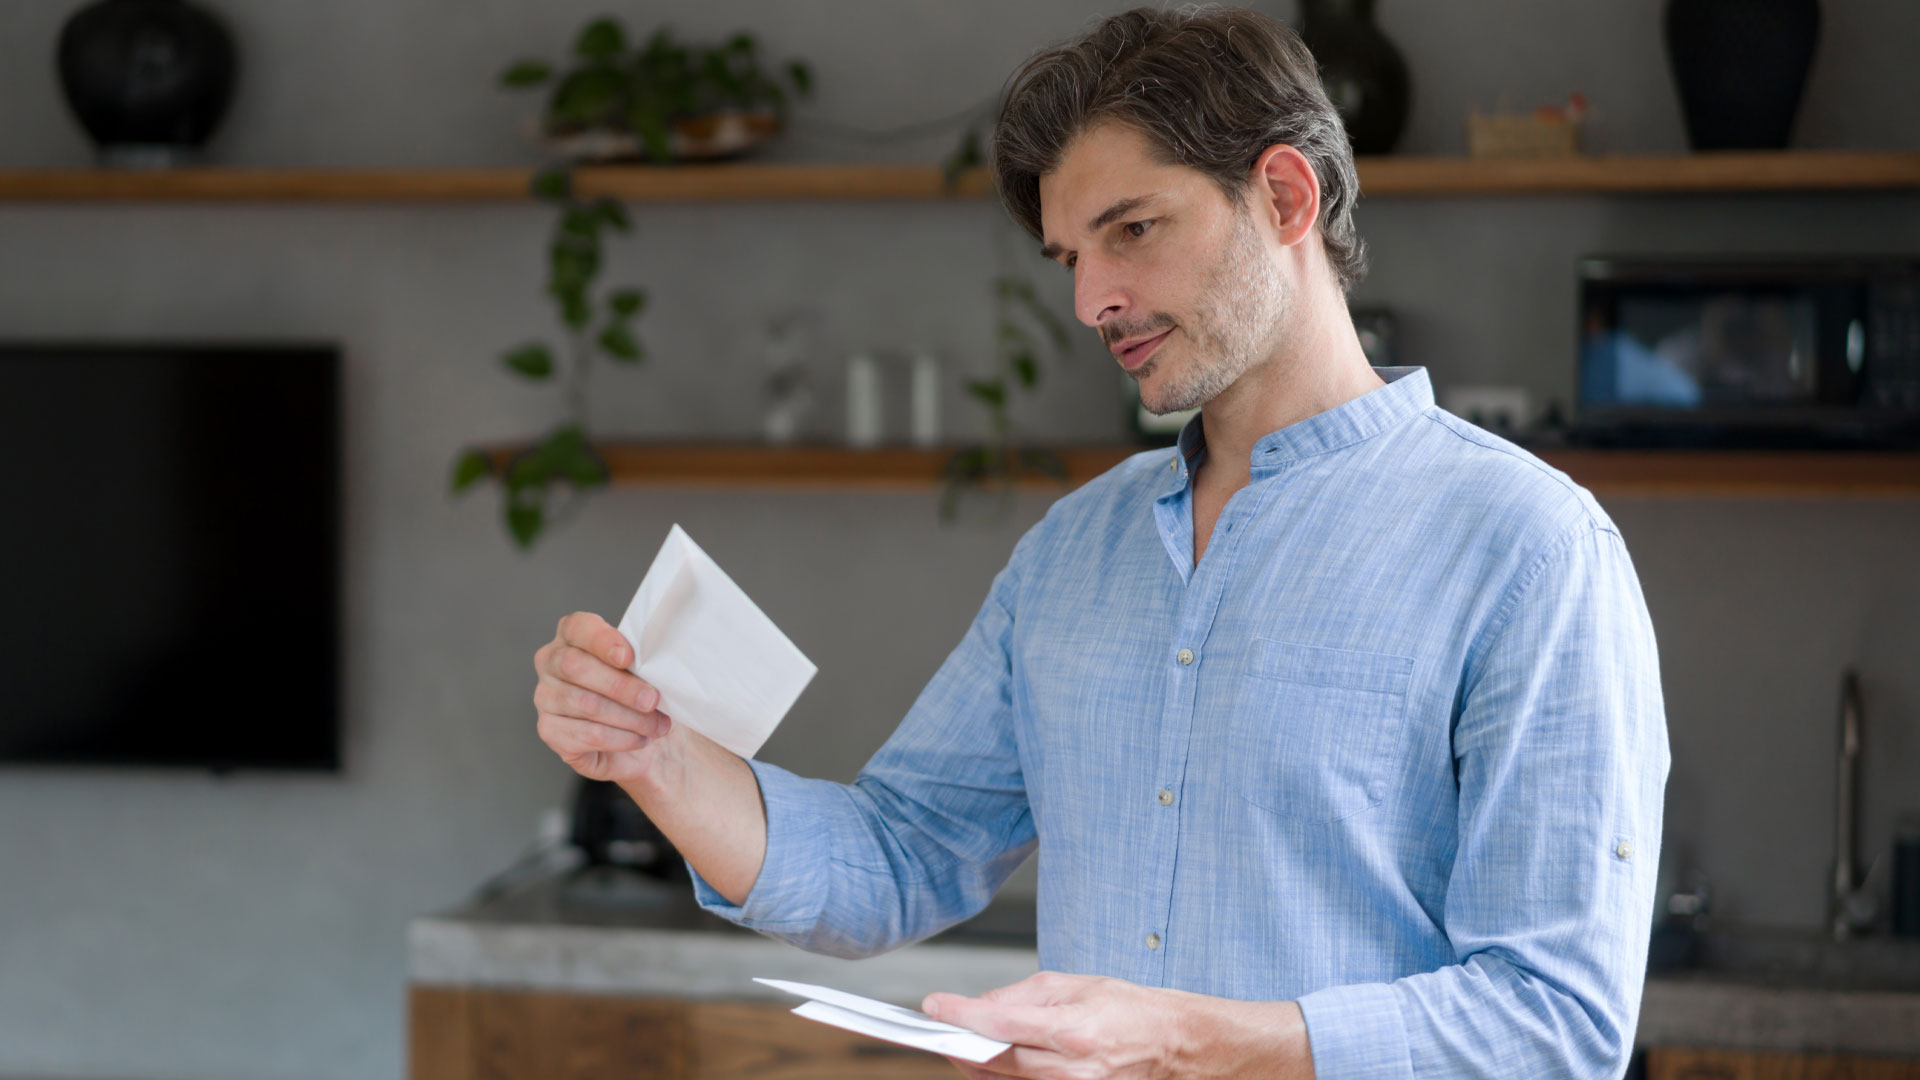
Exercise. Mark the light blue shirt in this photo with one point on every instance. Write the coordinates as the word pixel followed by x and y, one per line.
pixel 1394 749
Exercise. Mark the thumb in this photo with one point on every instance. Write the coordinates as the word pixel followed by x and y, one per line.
pixel 1027 1025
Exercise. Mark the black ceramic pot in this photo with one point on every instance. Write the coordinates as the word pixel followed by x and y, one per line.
pixel 1740 67
pixel 148 79
pixel 1364 74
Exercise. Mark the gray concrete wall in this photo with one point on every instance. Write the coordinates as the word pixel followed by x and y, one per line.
pixel 165 925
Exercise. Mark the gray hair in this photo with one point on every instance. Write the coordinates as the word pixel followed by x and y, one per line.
pixel 1211 87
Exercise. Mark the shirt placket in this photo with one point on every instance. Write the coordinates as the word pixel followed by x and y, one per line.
pixel 1185 654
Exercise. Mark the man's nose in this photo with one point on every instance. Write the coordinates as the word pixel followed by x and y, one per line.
pixel 1099 296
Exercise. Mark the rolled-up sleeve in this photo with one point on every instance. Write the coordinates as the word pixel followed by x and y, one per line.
pixel 929 830
pixel 1561 753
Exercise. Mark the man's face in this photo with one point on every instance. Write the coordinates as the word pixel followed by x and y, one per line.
pixel 1178 282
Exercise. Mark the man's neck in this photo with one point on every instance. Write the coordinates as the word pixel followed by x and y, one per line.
pixel 1316 371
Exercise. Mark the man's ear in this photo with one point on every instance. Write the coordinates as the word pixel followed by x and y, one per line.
pixel 1285 191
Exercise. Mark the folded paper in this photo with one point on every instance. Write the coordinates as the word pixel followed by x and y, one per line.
pixel 721 666
pixel 891 1023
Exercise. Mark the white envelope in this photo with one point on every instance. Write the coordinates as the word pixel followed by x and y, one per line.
pixel 722 668
pixel 891 1023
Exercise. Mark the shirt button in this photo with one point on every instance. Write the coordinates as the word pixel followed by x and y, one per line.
pixel 1153 941
pixel 1623 850
pixel 1185 656
pixel 1166 796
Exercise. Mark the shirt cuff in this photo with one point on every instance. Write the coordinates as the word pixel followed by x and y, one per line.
pixel 1356 1033
pixel 792 886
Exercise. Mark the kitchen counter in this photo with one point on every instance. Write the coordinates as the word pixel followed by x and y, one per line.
pixel 631 936
pixel 645 938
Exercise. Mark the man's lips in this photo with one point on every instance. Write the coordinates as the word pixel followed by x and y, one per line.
pixel 1135 355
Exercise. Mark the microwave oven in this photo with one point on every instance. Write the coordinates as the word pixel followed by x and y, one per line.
pixel 1780 352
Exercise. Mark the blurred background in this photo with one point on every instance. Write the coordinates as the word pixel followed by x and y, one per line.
pixel 245 913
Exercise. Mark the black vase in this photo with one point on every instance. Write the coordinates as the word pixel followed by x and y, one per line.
pixel 1364 74
pixel 1740 67
pixel 148 79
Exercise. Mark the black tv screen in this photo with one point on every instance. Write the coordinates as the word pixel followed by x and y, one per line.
pixel 169 526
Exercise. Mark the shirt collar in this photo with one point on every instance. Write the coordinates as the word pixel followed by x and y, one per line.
pixel 1407 391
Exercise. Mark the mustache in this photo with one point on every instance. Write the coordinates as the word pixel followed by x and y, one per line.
pixel 1114 333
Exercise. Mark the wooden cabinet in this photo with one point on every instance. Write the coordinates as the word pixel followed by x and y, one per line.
pixel 1666 1063
pixel 455 1033
pixel 458 1033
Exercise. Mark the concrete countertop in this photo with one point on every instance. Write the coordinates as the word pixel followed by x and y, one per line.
pixel 651 939
pixel 635 936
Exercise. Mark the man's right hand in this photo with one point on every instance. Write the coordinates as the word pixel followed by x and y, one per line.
pixel 598 716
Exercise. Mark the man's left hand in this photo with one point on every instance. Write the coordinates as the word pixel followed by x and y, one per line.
pixel 1079 1027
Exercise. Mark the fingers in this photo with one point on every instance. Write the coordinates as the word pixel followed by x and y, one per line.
pixel 578 667
pixel 1027 1025
pixel 1040 988
pixel 585 630
pixel 558 698
pixel 571 738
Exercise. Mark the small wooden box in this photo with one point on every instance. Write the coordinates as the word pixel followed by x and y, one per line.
pixel 1508 135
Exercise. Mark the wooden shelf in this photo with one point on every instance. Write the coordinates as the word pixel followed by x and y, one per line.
pixel 1690 473
pixel 1619 174
pixel 633 183
pixel 1645 174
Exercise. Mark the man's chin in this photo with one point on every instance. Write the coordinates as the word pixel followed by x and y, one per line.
pixel 1155 399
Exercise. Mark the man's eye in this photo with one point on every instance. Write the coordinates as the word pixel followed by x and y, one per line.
pixel 1132 225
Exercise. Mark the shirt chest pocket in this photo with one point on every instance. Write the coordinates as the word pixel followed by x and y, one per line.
pixel 1316 728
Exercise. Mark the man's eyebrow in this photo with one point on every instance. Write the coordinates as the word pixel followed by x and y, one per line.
pixel 1106 217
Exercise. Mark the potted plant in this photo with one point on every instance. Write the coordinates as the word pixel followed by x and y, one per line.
pixel 999 459
pixel 592 325
pixel 665 101
pixel 669 102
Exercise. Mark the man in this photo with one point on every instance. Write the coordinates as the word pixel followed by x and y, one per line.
pixel 1338 729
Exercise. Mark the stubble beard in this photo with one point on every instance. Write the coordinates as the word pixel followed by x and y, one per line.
pixel 1241 305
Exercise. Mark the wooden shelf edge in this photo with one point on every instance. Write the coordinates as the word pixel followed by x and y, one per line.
pixel 1685 473
pixel 1380 176
pixel 1711 172
pixel 633 183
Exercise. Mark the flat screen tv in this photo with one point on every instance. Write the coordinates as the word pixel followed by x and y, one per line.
pixel 169 535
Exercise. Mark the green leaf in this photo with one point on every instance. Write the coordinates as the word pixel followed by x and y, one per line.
pixel 526 73
pixel 1026 368
pixel 471 467
pixel 964 157
pixel 612 213
pixel 802 77
pixel 1046 461
pixel 602 40
pixel 584 98
pixel 565 454
pixel 618 341
pixel 524 521
pixel 991 391
pixel 967 463
pixel 741 42
pixel 532 361
pixel 575 311
pixel 553 183
pixel 526 472
pixel 581 222
pixel 627 302
pixel 572 264
pixel 647 122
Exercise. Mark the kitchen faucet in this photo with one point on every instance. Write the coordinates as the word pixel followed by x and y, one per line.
pixel 1852 907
